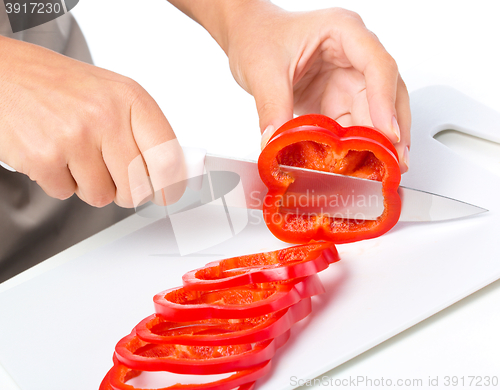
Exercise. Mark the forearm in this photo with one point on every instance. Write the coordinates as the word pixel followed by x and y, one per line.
pixel 219 17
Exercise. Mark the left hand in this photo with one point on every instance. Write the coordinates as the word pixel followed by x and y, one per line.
pixel 323 62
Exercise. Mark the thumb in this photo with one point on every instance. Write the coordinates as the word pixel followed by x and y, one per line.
pixel 161 153
pixel 274 100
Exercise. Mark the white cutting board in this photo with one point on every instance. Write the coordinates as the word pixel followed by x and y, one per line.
pixel 58 330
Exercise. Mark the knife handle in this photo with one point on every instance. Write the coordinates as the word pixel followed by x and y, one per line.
pixel 194 158
pixel 8 167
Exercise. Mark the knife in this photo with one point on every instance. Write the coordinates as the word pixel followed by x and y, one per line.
pixel 323 192
pixel 333 194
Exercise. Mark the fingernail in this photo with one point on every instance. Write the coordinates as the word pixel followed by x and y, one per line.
pixel 406 157
pixel 266 135
pixel 395 128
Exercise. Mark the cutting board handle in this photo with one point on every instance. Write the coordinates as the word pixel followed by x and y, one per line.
pixel 438 107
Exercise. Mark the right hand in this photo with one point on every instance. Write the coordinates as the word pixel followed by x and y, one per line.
pixel 76 128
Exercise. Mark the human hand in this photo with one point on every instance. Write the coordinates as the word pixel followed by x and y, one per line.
pixel 324 62
pixel 76 128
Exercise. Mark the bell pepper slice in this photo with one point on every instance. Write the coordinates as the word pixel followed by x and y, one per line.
pixel 118 376
pixel 105 385
pixel 254 300
pixel 289 263
pixel 318 142
pixel 199 360
pixel 215 331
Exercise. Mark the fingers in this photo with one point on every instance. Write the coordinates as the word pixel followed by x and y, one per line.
pixel 94 183
pixel 381 89
pixel 273 95
pixel 386 93
pixel 57 181
pixel 161 152
pixel 124 161
pixel 367 55
pixel 167 169
pixel 389 107
pixel 350 109
pixel 390 112
pixel 83 135
pixel 135 159
pixel 404 120
pixel 345 98
pixel 140 159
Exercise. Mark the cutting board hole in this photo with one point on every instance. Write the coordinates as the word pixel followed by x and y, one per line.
pixel 478 150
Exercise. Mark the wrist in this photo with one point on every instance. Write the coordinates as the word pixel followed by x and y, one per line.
pixel 221 18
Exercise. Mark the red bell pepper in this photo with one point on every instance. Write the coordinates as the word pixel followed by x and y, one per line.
pixel 289 263
pixel 177 304
pixel 233 330
pixel 217 331
pixel 118 376
pixel 199 360
pixel 105 385
pixel 318 142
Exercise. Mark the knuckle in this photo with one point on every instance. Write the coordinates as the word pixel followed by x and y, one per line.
pixel 402 87
pixel 132 90
pixel 353 15
pixel 101 111
pixel 130 83
pixel 45 157
pixel 389 63
pixel 346 15
pixel 104 119
pixel 266 108
pixel 75 134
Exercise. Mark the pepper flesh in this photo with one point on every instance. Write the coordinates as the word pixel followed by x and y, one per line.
pixel 178 304
pixel 230 317
pixel 218 331
pixel 288 263
pixel 118 376
pixel 199 360
pixel 319 143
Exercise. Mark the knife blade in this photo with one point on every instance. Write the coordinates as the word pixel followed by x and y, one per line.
pixel 333 194
pixel 338 195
